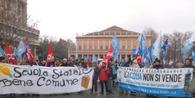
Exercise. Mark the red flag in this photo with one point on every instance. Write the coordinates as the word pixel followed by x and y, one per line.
pixel 49 52
pixel 9 56
pixel 29 55
pixel 14 61
pixel 8 51
pixel 139 59
pixel 109 54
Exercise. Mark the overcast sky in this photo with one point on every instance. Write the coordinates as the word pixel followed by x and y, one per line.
pixel 65 18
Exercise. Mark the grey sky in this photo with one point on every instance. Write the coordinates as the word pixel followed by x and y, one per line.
pixel 65 18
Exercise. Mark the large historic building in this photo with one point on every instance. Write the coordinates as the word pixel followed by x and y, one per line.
pixel 13 24
pixel 98 43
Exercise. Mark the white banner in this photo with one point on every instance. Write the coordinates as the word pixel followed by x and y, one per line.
pixel 164 82
pixel 43 80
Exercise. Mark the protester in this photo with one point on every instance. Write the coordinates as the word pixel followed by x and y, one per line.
pixel 76 62
pixel 95 79
pixel 70 63
pixel 24 62
pixel 157 64
pixel 192 87
pixel 135 64
pixel 114 73
pixel 37 62
pixel 123 64
pixel 43 63
pixel 84 64
pixel 89 63
pixel 170 65
pixel 179 65
pixel 64 62
pixel 110 75
pixel 104 73
pixel 188 64
pixel 58 62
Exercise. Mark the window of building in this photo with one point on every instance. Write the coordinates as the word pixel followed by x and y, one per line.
pixel 95 48
pixel 126 47
pixel 106 47
pixel 118 33
pixel 80 48
pixel 85 47
pixel 101 47
pixel 129 47
pixel 112 33
pixel 90 47
pixel 123 47
pixel 134 46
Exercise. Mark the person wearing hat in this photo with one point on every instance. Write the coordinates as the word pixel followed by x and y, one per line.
pixel 64 62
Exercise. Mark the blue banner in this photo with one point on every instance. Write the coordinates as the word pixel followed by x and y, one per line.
pixel 161 82
pixel 152 91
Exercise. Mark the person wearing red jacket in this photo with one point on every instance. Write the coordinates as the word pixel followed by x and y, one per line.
pixel 104 73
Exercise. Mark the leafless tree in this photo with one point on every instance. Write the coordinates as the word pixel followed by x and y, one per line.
pixel 60 48
pixel 176 42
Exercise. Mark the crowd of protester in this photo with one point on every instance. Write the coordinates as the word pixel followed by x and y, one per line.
pixel 105 72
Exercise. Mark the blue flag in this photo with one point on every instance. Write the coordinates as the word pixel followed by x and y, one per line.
pixel 142 47
pixel 164 50
pixel 165 45
pixel 2 52
pixel 148 55
pixel 21 49
pixel 142 44
pixel 193 57
pixel 94 60
pixel 14 54
pixel 134 52
pixel 156 48
pixel 115 46
pixel 147 59
pixel 185 51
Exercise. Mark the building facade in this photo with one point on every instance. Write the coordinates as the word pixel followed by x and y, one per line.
pixel 13 24
pixel 99 42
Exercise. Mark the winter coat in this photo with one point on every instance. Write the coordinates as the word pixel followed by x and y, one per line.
pixel 96 73
pixel 104 73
